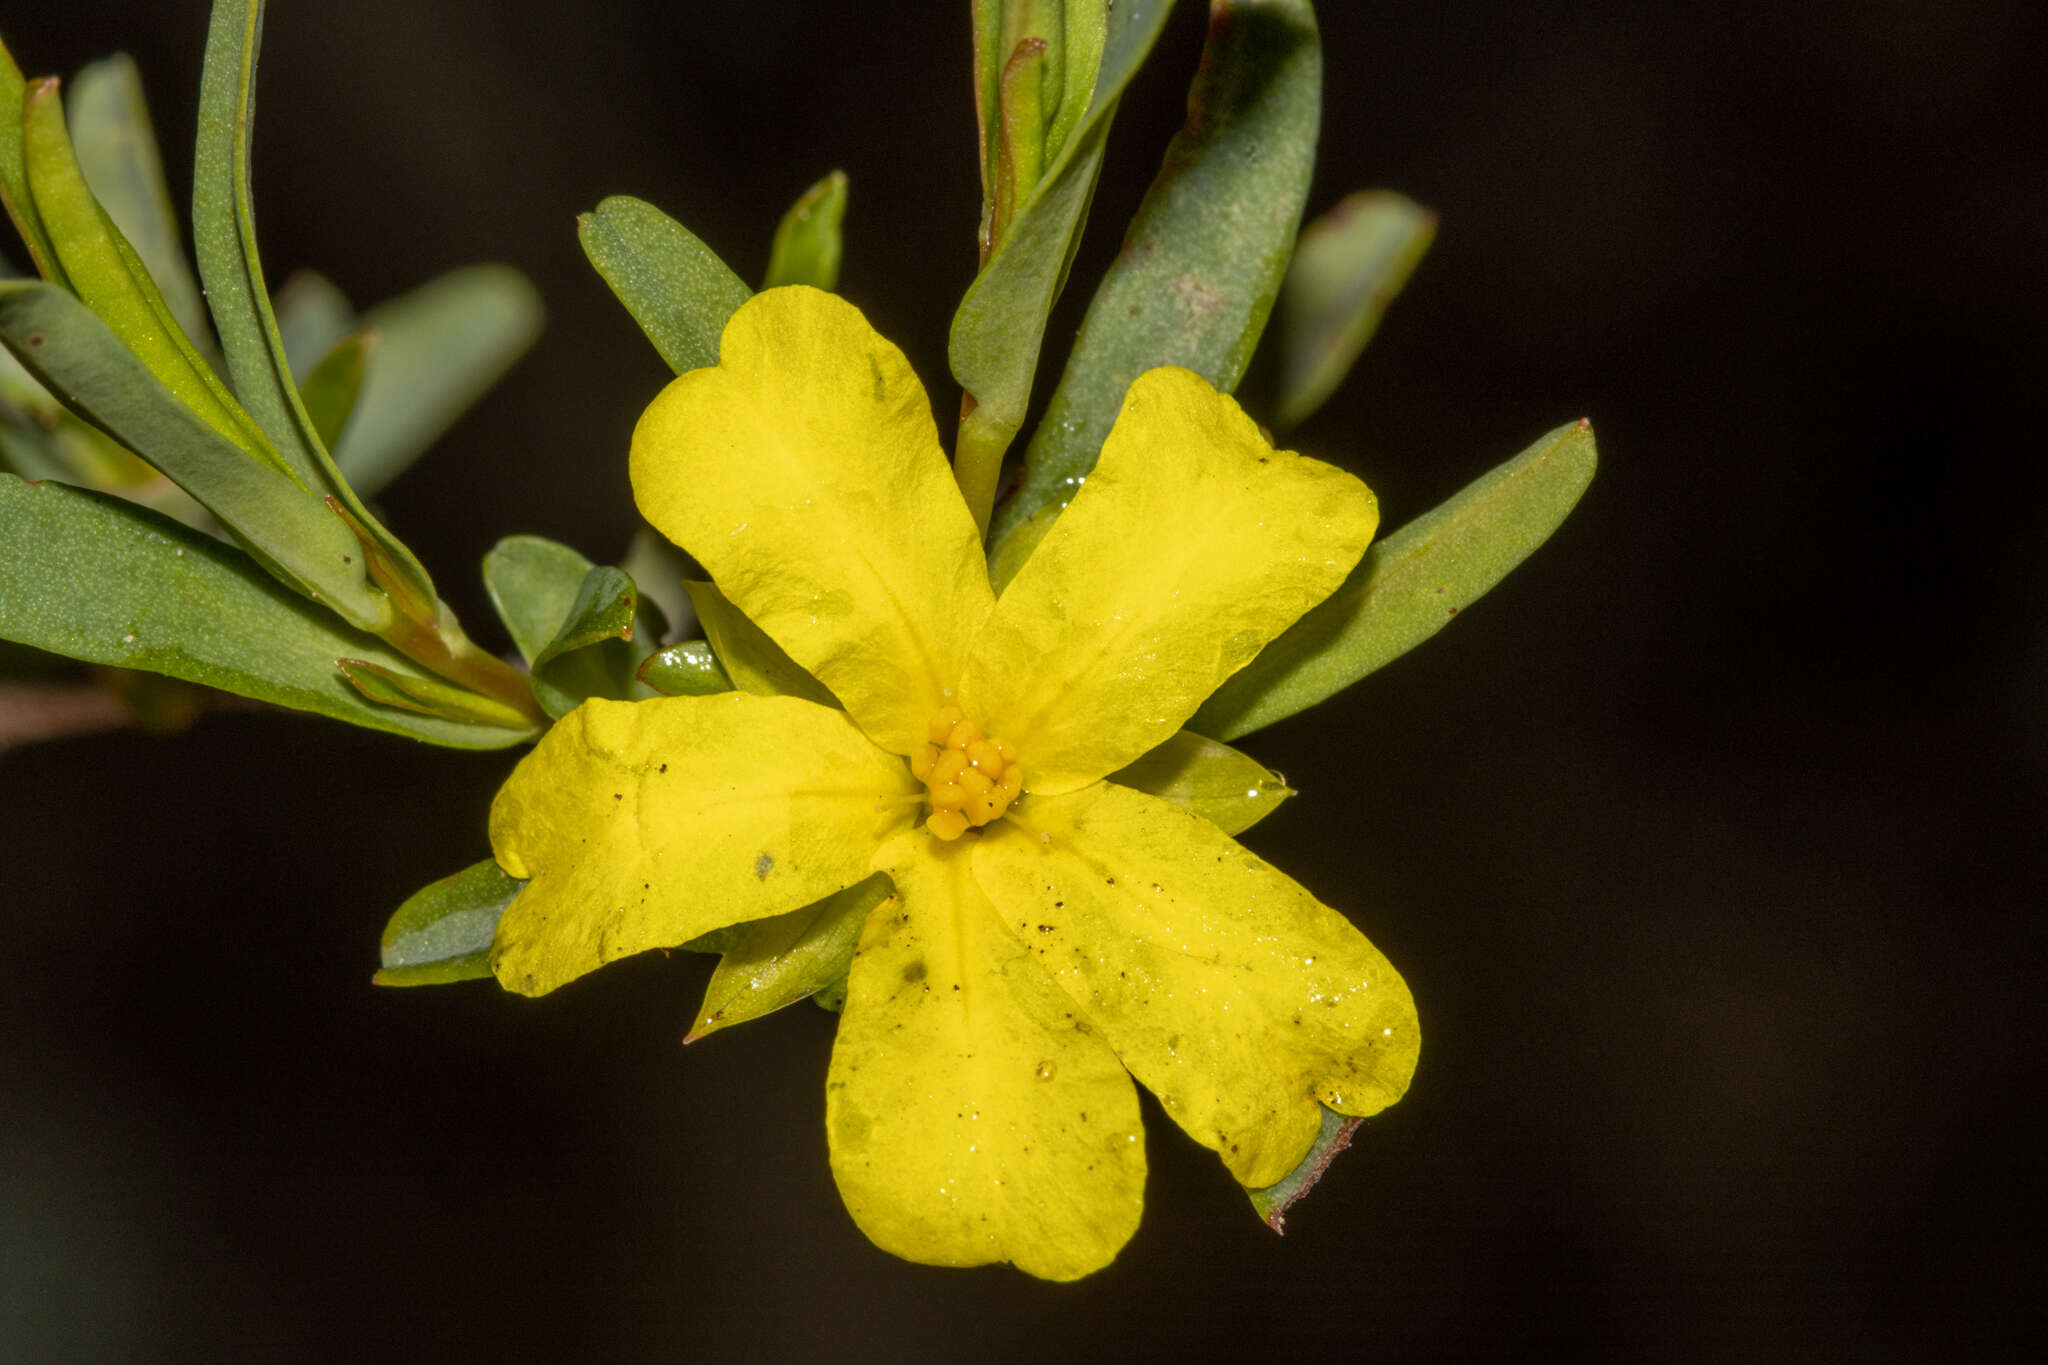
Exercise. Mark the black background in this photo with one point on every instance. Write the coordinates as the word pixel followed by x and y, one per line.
pixel 1709 842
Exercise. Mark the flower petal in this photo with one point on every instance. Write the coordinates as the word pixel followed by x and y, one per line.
pixel 644 824
pixel 1229 992
pixel 805 473
pixel 1192 544
pixel 974 1116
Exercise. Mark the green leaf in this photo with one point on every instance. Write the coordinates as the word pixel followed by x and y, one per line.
pixel 575 623
pixel 807 241
pixel 102 269
pixel 438 349
pixel 753 661
pixel 117 151
pixel 1229 789
pixel 1273 1201
pixel 1000 326
pixel 429 696
pixel 224 238
pixel 778 961
pixel 332 389
pixel 593 654
pixel 312 315
pixel 675 287
pixel 443 931
pixel 658 570
pixel 1203 259
pixel 533 583
pixel 14 187
pixel 1410 585
pixel 95 578
pixel 1073 33
pixel 1347 267
pixel 688 669
pixel 78 358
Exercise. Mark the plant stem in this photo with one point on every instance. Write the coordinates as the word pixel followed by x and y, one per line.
pixel 978 460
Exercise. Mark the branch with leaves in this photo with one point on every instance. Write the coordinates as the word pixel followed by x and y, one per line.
pixel 942 742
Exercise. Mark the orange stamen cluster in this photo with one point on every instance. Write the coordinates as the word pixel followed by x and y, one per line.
pixel 969 778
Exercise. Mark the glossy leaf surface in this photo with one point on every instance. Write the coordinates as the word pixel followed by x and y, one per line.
pixel 438 348
pixel 1347 267
pixel 443 931
pixel 807 241
pixel 770 963
pixel 675 287
pixel 1410 585
pixel 95 578
pixel 688 669
pixel 1203 259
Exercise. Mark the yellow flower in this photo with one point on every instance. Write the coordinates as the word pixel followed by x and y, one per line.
pixel 1032 961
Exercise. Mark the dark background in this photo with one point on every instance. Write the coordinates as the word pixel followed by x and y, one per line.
pixel 1709 843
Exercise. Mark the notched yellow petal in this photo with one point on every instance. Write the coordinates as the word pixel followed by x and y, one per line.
pixel 804 471
pixel 645 824
pixel 1192 544
pixel 974 1114
pixel 1228 990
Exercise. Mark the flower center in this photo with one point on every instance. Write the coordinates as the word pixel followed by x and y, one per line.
pixel 969 778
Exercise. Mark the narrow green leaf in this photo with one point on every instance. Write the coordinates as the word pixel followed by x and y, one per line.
pixel 14 187
pixel 1273 1201
pixel 778 961
pixel 428 695
pixel 753 661
pixel 312 315
pixel 807 241
pixel 224 238
pixel 1410 585
pixel 533 583
pixel 443 931
pixel 117 151
pixel 331 391
pixel 1347 267
pixel 103 270
pixel 1073 32
pixel 92 577
pixel 438 349
pixel 78 358
pixel 1203 259
pixel 688 669
pixel 675 287
pixel 1000 326
pixel 1229 789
